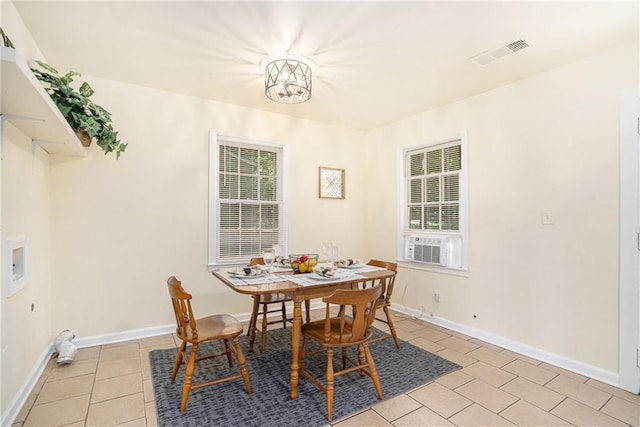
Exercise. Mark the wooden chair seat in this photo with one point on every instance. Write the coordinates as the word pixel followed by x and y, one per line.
pixel 216 327
pixel 219 327
pixel 316 331
pixel 342 332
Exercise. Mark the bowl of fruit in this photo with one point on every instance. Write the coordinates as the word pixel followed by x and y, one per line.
pixel 303 263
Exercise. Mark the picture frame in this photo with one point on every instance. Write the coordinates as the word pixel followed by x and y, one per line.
pixel 331 183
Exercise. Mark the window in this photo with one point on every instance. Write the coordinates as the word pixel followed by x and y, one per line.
pixel 434 204
pixel 433 182
pixel 246 202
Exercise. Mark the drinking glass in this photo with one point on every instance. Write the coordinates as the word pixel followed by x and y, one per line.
pixel 325 249
pixel 268 255
pixel 276 250
pixel 332 252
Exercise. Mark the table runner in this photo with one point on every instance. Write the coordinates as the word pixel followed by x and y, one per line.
pixel 307 279
pixel 260 280
pixel 343 275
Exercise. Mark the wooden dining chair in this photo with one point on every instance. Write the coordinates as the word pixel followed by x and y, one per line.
pixel 342 332
pixel 222 327
pixel 385 298
pixel 265 301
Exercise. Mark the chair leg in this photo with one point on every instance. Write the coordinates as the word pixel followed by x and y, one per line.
pixel 263 336
pixel 284 315
pixel 372 370
pixel 329 389
pixel 307 309
pixel 242 364
pixel 188 377
pixel 254 320
pixel 227 351
pixel 303 352
pixel 178 361
pixel 362 358
pixel 344 357
pixel 392 328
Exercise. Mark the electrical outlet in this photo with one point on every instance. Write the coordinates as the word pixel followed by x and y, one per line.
pixel 547 217
pixel 436 296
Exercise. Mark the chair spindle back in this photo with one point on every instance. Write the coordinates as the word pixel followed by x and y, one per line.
pixel 386 283
pixel 181 300
pixel 363 303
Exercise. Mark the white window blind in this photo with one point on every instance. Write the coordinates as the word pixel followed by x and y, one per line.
pixel 433 187
pixel 248 203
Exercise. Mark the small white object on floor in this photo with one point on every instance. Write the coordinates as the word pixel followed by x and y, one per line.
pixel 65 348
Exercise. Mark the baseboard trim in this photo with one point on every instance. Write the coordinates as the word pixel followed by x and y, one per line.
pixel 607 377
pixel 153 331
pixel 13 409
pixel 133 334
pixel 581 368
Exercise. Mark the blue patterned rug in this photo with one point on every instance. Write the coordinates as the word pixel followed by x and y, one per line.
pixel 228 404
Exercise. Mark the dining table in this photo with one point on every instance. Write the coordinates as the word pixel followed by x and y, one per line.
pixel 300 287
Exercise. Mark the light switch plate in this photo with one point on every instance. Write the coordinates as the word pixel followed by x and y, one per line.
pixel 547 217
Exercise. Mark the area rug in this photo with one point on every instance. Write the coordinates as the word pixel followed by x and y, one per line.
pixel 228 404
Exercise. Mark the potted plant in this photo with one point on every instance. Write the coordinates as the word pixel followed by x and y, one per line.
pixel 89 120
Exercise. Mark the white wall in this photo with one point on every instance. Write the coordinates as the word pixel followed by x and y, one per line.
pixel 26 334
pixel 14 28
pixel 547 142
pixel 120 228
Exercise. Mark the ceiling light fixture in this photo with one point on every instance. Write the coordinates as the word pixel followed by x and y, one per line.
pixel 287 80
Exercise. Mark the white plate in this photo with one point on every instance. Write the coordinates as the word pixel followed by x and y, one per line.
pixel 242 274
pixel 316 276
pixel 352 266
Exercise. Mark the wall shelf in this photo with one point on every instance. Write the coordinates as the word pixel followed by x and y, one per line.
pixel 27 105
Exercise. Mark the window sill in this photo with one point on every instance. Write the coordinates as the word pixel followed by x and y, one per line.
pixel 462 272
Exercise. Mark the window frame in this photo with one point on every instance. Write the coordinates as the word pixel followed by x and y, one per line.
pixel 403 202
pixel 215 140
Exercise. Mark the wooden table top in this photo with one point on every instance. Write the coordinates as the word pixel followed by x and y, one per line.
pixel 289 287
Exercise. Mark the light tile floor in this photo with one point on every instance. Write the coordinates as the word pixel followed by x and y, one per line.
pixel 111 385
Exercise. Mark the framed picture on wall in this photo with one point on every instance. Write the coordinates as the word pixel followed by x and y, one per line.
pixel 331 183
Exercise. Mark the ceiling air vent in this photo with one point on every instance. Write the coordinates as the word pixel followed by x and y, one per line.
pixel 490 56
pixel 517 45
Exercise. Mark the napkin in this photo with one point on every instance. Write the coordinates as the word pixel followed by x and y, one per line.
pixel 281 261
pixel 324 270
pixel 250 271
pixel 347 262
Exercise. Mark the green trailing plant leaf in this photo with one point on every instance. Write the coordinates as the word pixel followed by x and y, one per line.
pixel 86 90
pixel 47 67
pixel 78 109
pixel 65 109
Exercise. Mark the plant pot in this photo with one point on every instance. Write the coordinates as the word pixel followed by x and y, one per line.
pixel 84 137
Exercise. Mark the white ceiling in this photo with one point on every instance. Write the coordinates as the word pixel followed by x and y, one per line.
pixel 378 62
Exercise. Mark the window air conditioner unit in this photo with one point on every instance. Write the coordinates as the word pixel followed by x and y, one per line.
pixel 439 250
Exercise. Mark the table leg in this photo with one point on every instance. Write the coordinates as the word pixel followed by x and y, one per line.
pixel 295 346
